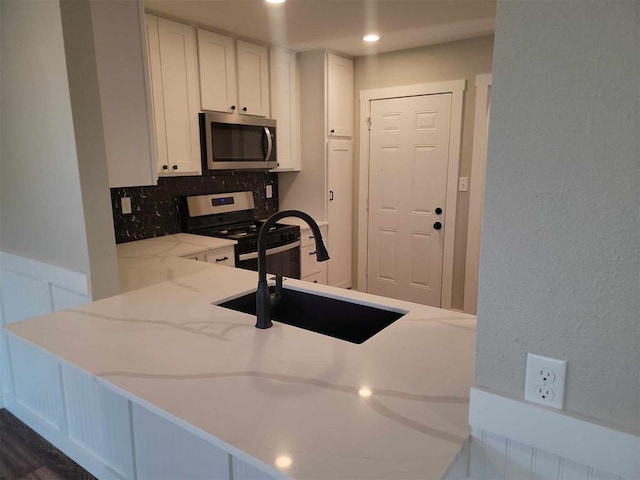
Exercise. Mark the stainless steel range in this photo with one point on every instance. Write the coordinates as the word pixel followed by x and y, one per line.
pixel 233 216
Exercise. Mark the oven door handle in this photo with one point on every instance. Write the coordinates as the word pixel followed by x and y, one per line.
pixel 271 251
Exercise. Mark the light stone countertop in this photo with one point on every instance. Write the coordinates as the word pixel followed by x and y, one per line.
pixel 261 394
pixel 146 262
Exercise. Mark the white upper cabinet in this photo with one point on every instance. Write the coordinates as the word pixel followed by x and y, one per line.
pixel 253 79
pixel 217 58
pixel 124 86
pixel 234 75
pixel 339 96
pixel 176 102
pixel 285 108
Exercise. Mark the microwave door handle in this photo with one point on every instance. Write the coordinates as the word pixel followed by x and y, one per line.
pixel 267 132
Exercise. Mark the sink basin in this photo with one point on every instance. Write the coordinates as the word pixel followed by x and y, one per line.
pixel 329 316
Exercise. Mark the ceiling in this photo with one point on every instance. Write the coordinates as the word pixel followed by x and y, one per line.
pixel 338 24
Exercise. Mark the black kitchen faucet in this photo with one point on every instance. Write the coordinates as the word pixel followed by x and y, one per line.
pixel 264 299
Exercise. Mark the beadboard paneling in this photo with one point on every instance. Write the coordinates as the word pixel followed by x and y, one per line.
pixel 495 457
pixel 159 442
pixel 36 382
pixel 98 421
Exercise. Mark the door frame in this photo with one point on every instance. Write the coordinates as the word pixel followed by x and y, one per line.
pixel 456 88
pixel 476 190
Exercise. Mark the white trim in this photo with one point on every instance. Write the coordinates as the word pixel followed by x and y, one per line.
pixel 476 190
pixel 590 444
pixel 46 272
pixel 457 89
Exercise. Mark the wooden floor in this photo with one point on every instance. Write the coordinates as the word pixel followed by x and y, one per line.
pixel 25 455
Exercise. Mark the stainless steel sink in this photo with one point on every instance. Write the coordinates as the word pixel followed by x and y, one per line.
pixel 341 319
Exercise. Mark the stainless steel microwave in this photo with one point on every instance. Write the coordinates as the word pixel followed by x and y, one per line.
pixel 237 142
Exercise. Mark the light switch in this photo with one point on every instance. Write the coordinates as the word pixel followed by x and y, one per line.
pixel 463 184
pixel 125 202
pixel 269 191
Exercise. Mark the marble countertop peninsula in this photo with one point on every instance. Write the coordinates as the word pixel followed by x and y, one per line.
pixel 146 262
pixel 394 407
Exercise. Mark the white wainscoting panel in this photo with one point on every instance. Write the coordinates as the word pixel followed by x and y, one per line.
pixel 243 471
pixel 28 289
pixel 512 439
pixel 98 421
pixel 165 451
pixel 36 383
pixel 498 458
pixel 23 297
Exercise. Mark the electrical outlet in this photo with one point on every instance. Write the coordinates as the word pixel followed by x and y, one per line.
pixel 545 380
pixel 463 184
pixel 269 191
pixel 125 203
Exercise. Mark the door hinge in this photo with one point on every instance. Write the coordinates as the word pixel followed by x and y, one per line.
pixel 369 123
pixel 367 204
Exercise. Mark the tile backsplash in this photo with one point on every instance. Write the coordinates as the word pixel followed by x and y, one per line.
pixel 155 210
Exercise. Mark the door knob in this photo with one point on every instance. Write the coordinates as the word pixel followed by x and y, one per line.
pixel 437 225
pixel 438 211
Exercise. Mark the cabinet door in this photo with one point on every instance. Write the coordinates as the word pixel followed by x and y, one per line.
pixel 217 61
pixel 339 96
pixel 179 84
pixel 340 180
pixel 124 86
pixel 157 100
pixel 253 79
pixel 285 108
pixel 222 256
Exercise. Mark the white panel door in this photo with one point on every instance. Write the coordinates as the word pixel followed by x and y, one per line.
pixel 409 150
pixel 253 79
pixel 217 61
pixel 285 108
pixel 340 176
pixel 339 96
pixel 180 98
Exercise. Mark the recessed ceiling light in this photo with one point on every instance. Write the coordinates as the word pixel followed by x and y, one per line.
pixel 372 37
pixel 274 1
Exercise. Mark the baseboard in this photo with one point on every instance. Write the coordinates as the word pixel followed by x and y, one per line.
pixel 578 440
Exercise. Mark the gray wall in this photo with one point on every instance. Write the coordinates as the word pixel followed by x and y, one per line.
pixel 40 199
pixel 435 63
pixel 54 190
pixel 559 272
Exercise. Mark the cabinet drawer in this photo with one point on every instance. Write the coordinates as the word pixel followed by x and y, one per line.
pixel 306 236
pixel 308 263
pixel 318 277
pixel 222 256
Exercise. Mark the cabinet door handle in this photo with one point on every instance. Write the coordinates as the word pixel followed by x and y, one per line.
pixel 222 259
pixel 244 109
pixel 312 253
pixel 331 195
pixel 165 167
pixel 332 131
pixel 233 107
pixel 311 237
pixel 175 167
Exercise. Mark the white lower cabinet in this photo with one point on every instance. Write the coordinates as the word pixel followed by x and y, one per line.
pixel 222 256
pixel 310 269
pixel 219 256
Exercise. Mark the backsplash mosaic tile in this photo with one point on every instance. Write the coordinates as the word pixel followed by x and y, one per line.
pixel 155 210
